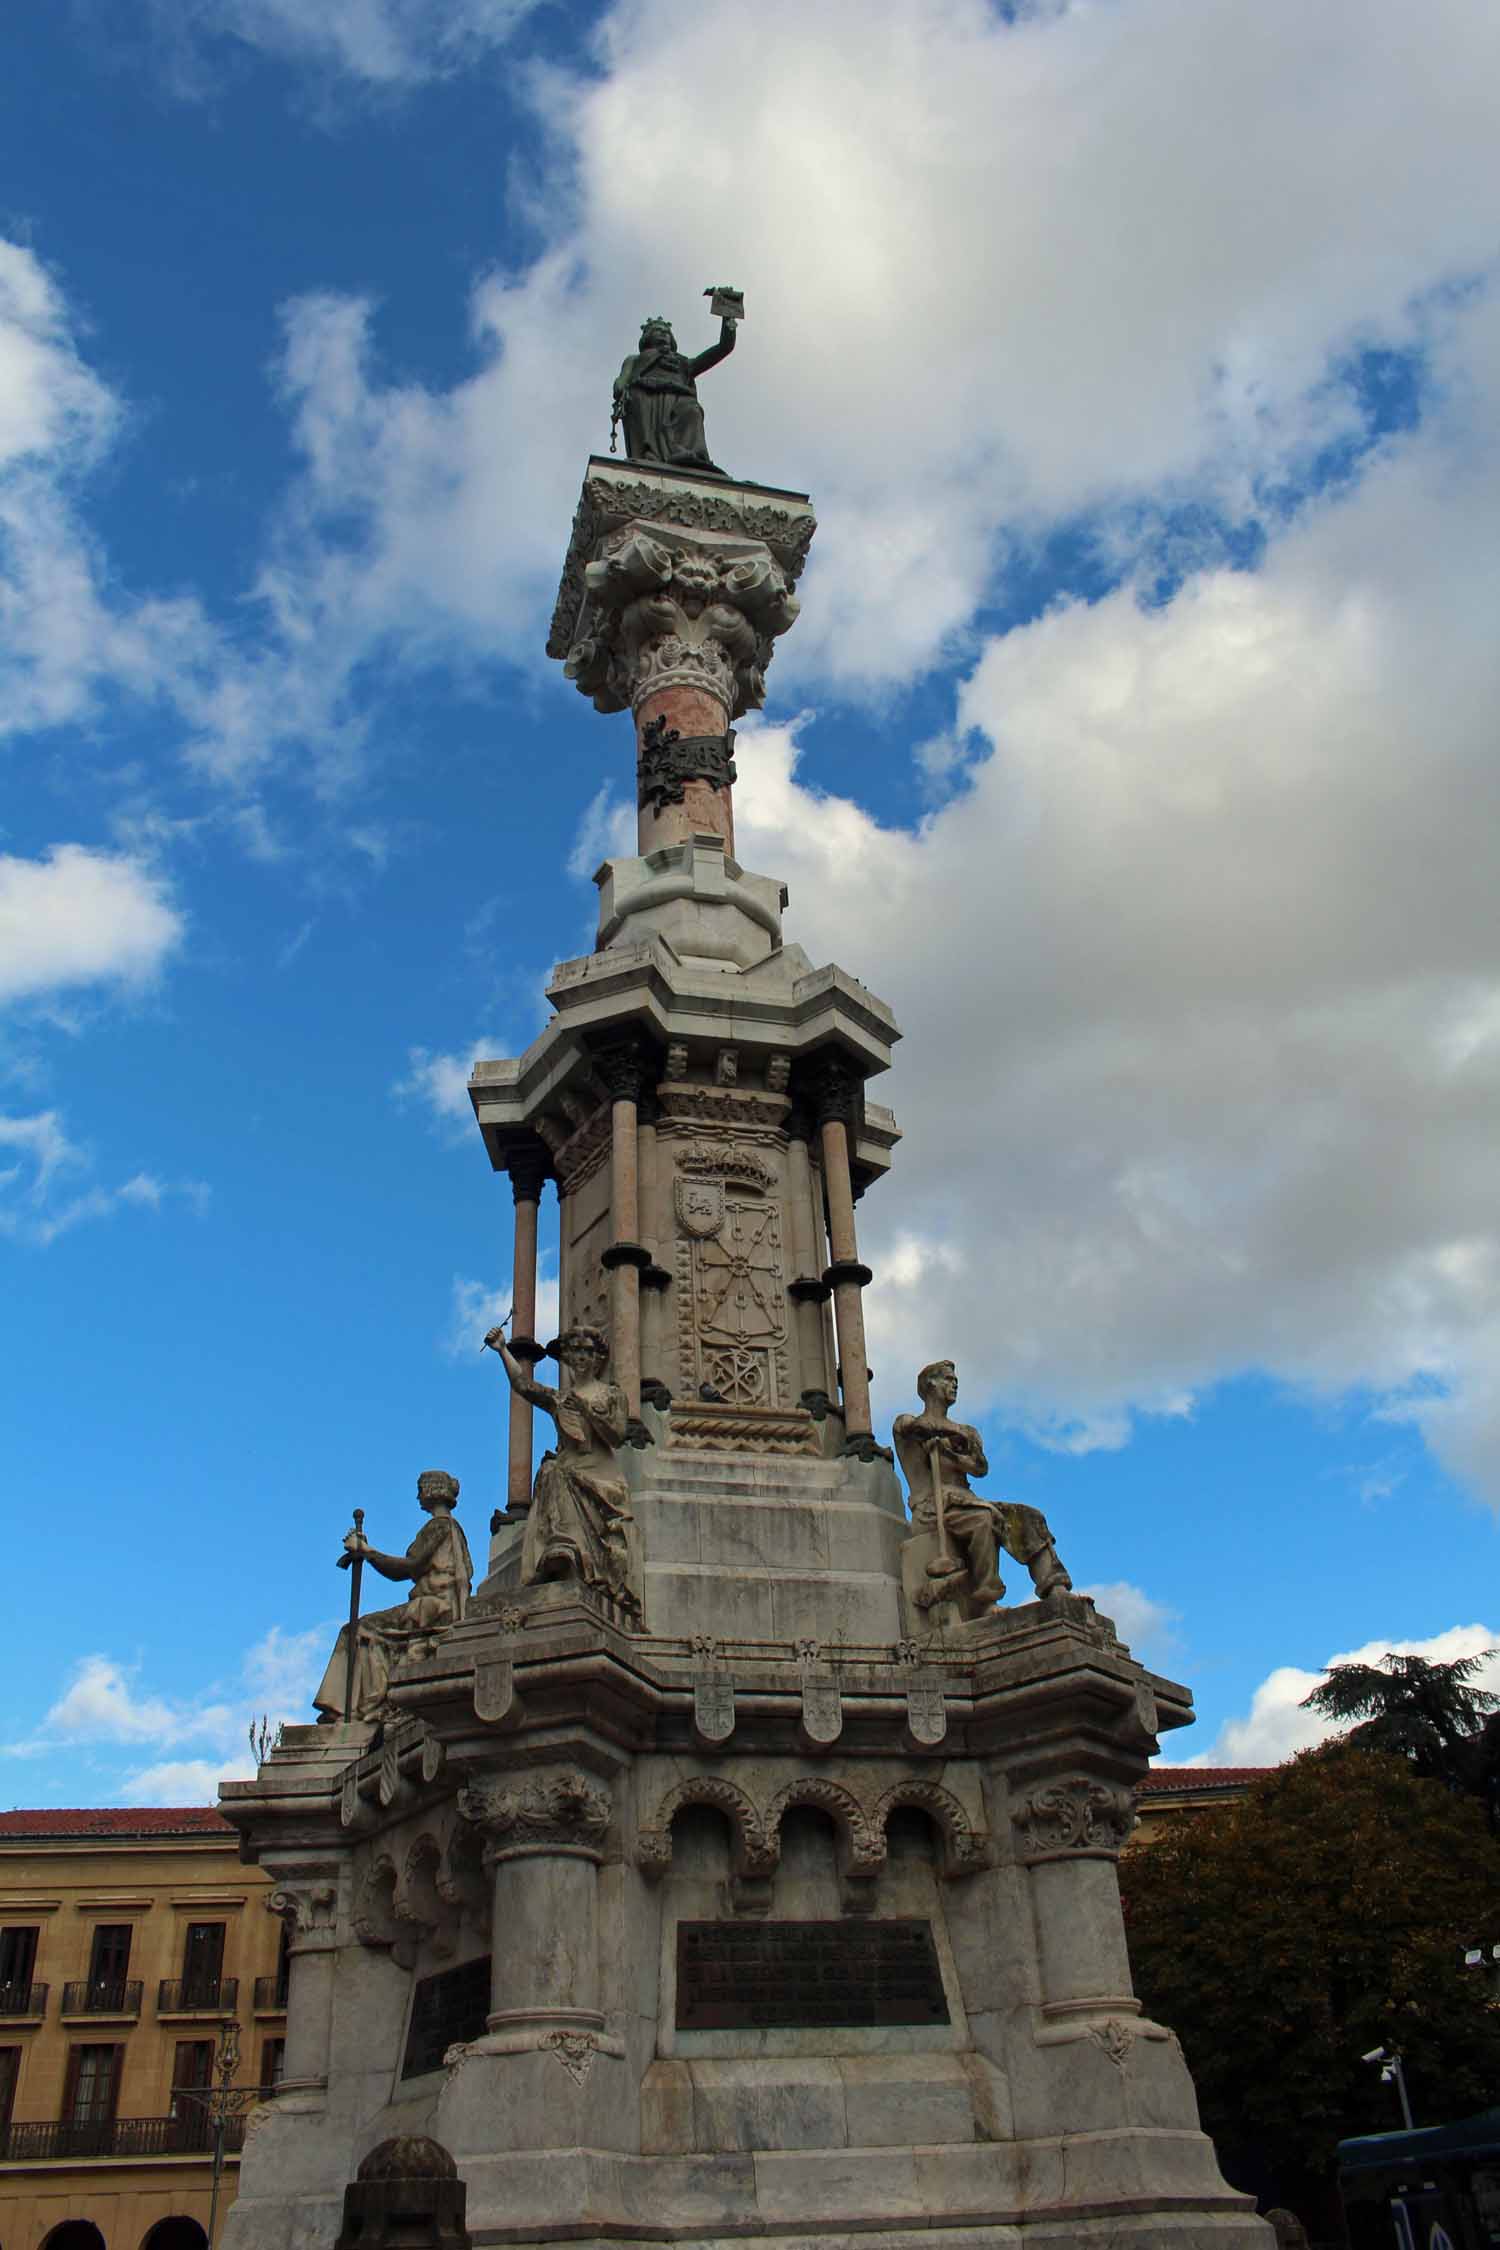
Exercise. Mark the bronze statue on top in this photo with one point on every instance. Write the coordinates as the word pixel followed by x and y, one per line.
pixel 961 1535
pixel 656 394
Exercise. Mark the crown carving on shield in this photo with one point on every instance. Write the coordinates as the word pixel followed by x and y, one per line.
pixel 723 1160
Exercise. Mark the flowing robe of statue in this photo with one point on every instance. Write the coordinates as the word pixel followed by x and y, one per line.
pixel 581 1522
pixel 659 400
pixel 442 1572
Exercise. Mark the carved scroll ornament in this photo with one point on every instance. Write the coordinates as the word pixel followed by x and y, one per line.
pixel 1075 1816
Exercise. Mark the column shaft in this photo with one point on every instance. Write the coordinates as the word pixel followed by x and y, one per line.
pixel 526 1186
pixel 806 1264
pixel 704 810
pixel 1080 1931
pixel 625 1278
pixel 545 1969
pixel 848 1308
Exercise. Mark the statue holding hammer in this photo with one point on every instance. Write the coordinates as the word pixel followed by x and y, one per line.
pixel 938 1456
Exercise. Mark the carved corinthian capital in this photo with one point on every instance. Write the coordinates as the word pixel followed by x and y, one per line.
pixel 1076 1817
pixel 562 1811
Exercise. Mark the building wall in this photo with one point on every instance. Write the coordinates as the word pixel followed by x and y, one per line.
pixel 64 1875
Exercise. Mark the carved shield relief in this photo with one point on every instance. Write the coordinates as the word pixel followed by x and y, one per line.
pixel 700 1207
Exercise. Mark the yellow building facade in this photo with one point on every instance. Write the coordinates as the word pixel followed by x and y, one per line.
pixel 128 1940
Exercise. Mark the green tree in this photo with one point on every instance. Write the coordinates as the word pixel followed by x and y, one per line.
pixel 1430 1714
pixel 1322 1915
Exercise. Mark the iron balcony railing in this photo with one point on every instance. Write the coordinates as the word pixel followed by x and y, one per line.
pixel 23 1999
pixel 197 1996
pixel 60 2140
pixel 270 1995
pixel 114 1996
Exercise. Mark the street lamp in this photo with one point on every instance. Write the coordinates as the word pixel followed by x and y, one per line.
pixel 1392 2074
pixel 223 2102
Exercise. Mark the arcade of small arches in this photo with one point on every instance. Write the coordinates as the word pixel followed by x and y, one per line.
pixel 174 2233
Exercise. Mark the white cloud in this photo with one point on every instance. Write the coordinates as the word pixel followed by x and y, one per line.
pixel 606 831
pixel 387 45
pixel 33 1205
pixel 1275 1727
pixel 1094 261
pixel 81 917
pixel 1200 975
pixel 105 1706
pixel 441 1081
pixel 1142 1623
pixel 183 1781
pixel 476 1308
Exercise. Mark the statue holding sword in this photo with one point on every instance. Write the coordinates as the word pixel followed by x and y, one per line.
pixel 438 1564
pixel 938 1456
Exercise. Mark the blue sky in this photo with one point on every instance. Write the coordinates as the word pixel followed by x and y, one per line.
pixel 1136 741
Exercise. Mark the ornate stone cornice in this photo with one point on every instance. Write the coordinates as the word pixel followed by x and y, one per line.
pixel 675 584
pixel 551 1812
pixel 615 496
pixel 1074 1818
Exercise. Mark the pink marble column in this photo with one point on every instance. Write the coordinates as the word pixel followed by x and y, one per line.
pixel 627 1071
pixel 694 714
pixel 528 1170
pixel 833 1088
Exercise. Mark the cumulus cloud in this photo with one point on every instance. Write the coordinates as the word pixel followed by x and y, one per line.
pixel 82 917
pixel 441 1081
pixel 1276 1727
pixel 106 1708
pixel 1119 268
pixel 1200 974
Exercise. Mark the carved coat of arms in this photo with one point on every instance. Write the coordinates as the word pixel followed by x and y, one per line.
pixel 700 1206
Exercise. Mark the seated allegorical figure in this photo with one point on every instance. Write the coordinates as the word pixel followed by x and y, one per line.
pixel 937 1452
pixel 581 1524
pixel 437 1562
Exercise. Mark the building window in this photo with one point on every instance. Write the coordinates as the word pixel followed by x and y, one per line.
pixel 202 1964
pixel 89 2098
pixel 192 2073
pixel 10 2071
pixel 109 1963
pixel 17 1967
pixel 271 2053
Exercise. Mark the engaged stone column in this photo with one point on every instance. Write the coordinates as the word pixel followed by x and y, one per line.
pixel 654 1278
pixel 807 1291
pixel 627 1071
pixel 834 1090
pixel 544 1839
pixel 1069 1833
pixel 307 1906
pixel 528 1170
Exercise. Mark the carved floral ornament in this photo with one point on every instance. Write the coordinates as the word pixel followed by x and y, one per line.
pixel 562 1812
pixel 1074 1817
pixel 756 1832
pixel 663 610
pixel 306 1907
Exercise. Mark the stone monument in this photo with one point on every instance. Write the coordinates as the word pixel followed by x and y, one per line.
pixel 729 1866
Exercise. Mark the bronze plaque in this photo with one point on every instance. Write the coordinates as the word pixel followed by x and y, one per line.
pixel 445 2009
pixel 750 1976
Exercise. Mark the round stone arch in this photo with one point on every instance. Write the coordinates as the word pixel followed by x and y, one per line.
pixel 175 2233
pixel 74 2234
pixel 861 1843
pixel 962 1847
pixel 750 1851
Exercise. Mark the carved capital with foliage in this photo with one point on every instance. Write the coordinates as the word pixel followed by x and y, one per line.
pixel 563 1811
pixel 1075 1817
pixel 665 608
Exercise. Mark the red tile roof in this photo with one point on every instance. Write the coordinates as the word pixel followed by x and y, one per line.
pixel 1202 1777
pixel 125 1821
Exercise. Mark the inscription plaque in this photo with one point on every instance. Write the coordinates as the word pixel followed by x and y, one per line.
pixel 751 1976
pixel 447 2008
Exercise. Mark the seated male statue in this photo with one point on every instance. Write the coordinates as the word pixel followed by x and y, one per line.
pixel 437 1562
pixel 580 1525
pixel 939 1455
